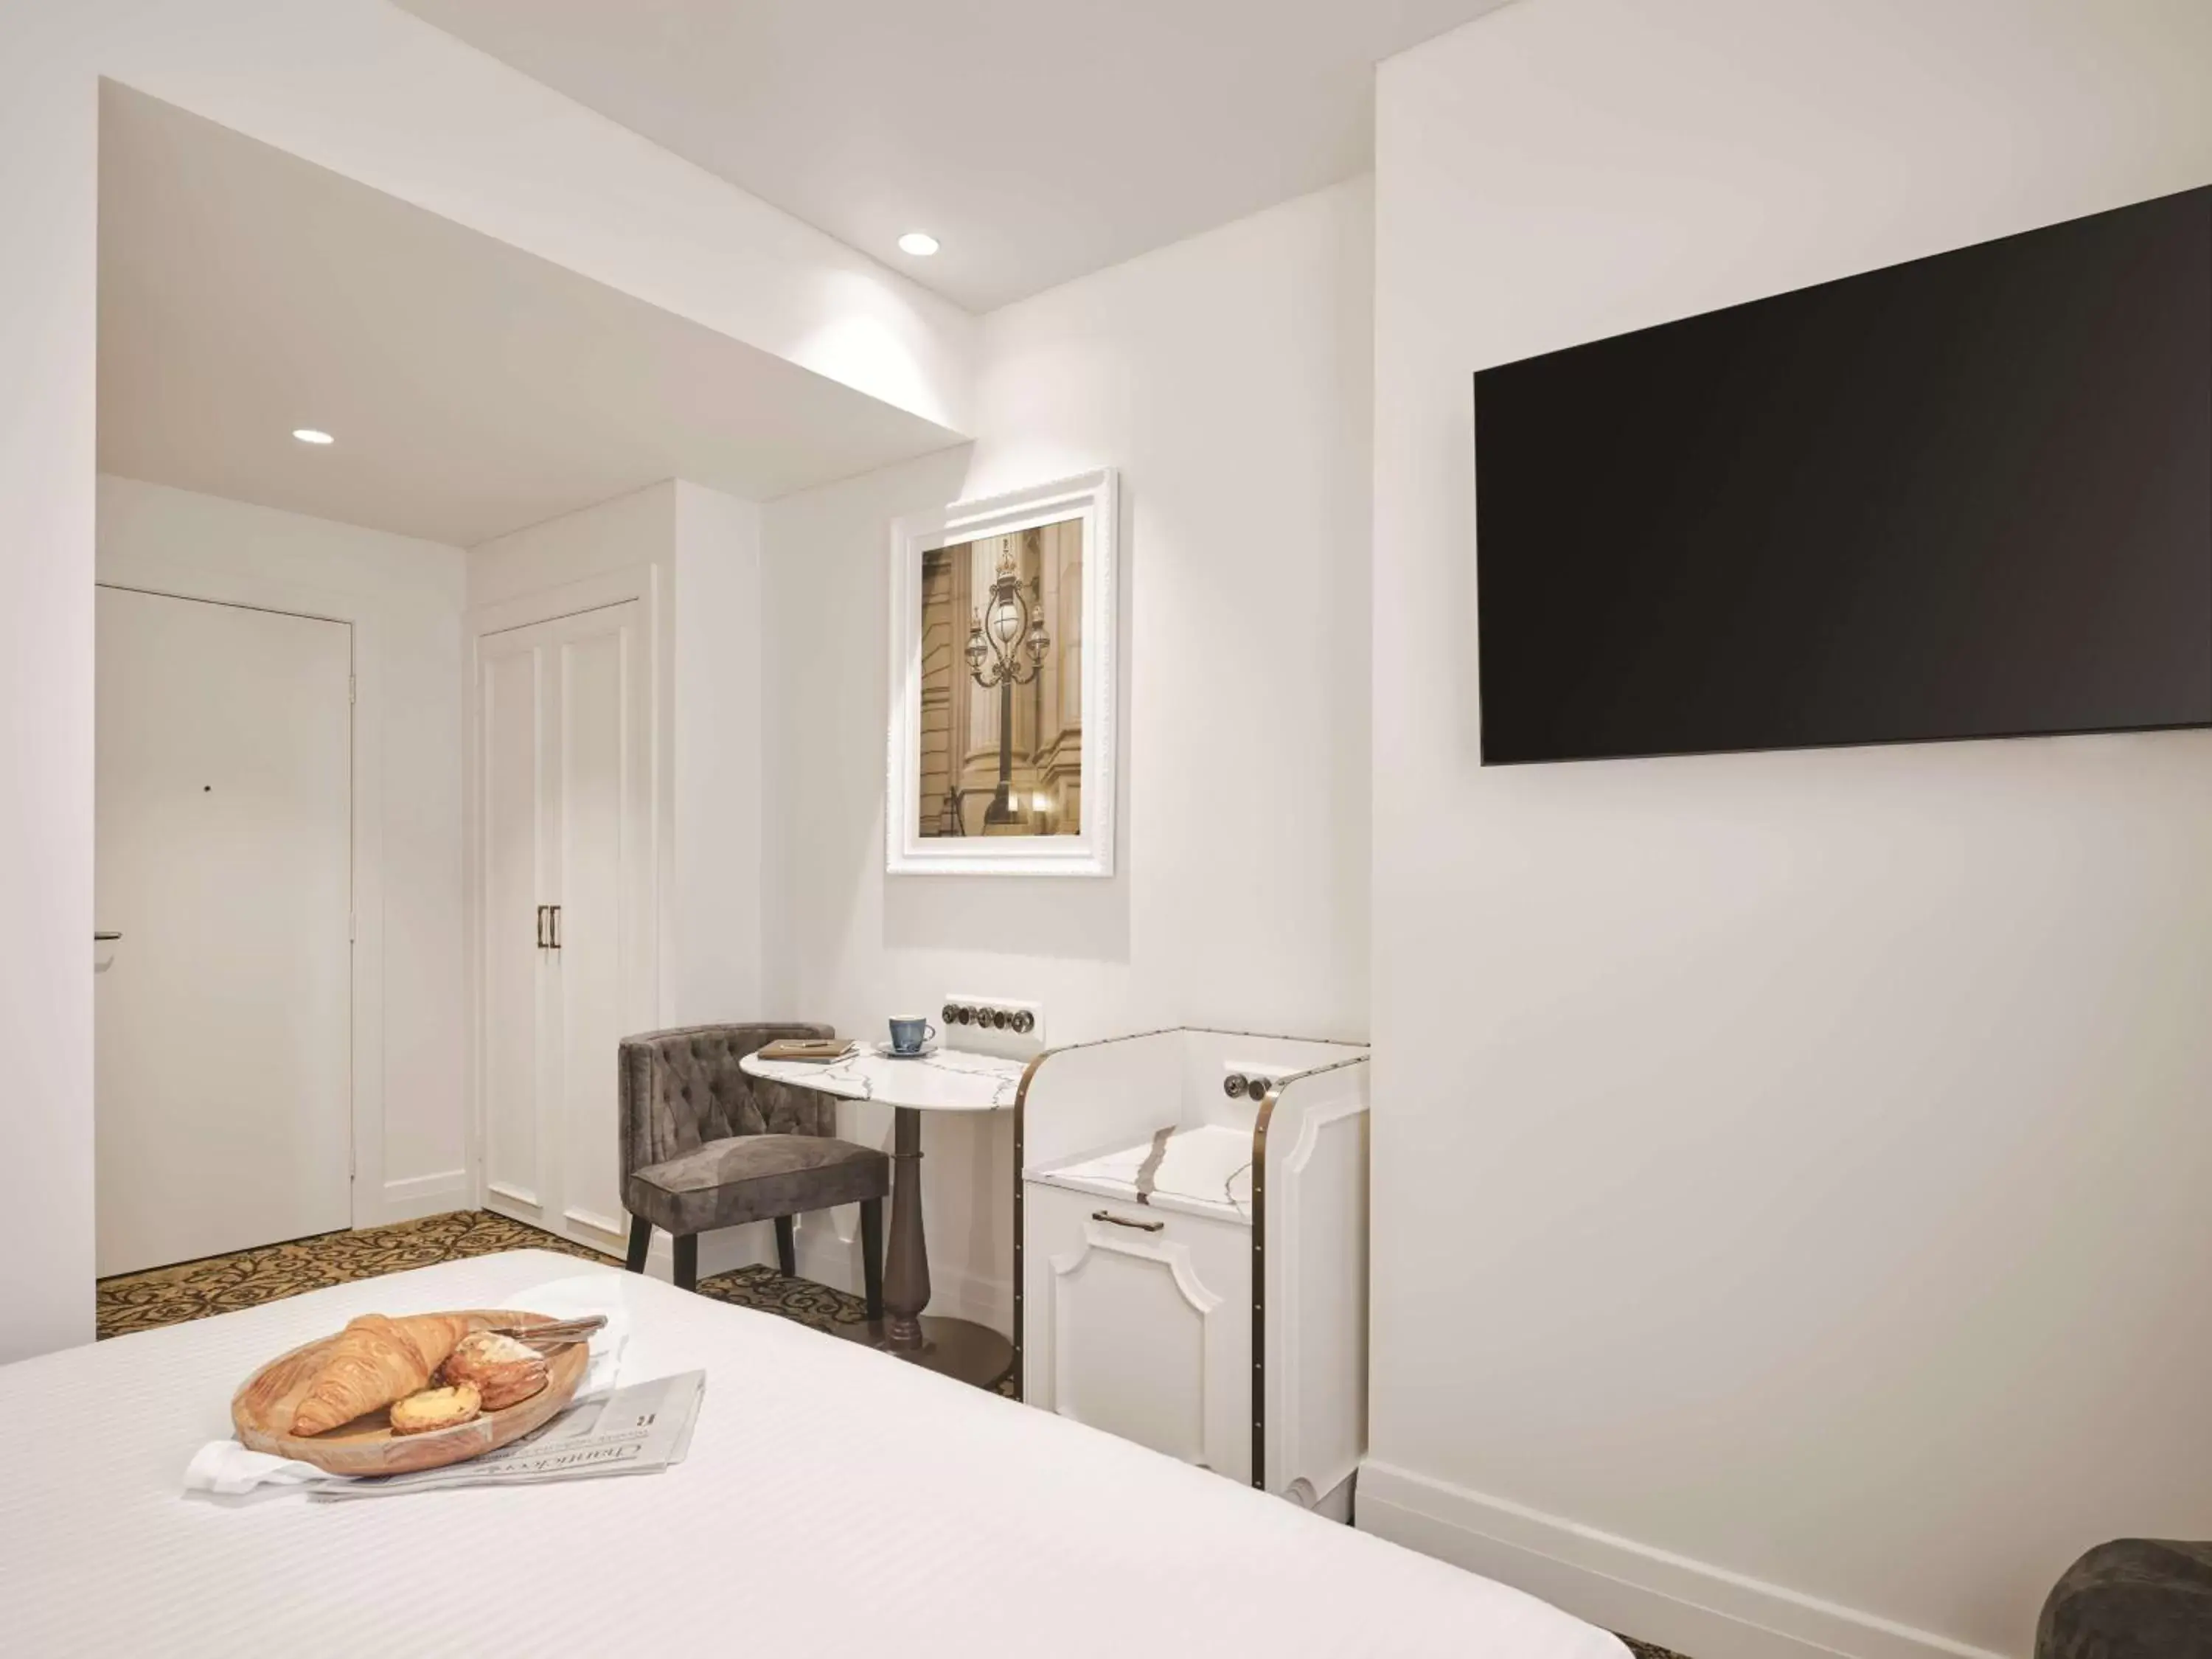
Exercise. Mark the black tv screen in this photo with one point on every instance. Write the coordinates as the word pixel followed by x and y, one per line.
pixel 1966 497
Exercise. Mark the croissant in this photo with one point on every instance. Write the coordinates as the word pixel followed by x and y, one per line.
pixel 373 1362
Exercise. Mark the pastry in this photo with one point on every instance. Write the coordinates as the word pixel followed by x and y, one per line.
pixel 503 1370
pixel 373 1362
pixel 436 1408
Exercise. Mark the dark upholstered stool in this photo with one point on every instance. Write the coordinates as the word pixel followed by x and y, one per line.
pixel 704 1145
pixel 2140 1598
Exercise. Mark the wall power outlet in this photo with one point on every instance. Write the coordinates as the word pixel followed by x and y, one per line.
pixel 998 1025
pixel 1249 1078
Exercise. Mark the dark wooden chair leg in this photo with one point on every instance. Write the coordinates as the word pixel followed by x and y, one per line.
pixel 687 1261
pixel 786 1249
pixel 872 1255
pixel 640 1241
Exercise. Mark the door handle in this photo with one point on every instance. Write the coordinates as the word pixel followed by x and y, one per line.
pixel 556 924
pixel 106 939
pixel 541 909
pixel 1124 1221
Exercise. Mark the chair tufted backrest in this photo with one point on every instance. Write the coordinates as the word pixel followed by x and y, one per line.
pixel 683 1087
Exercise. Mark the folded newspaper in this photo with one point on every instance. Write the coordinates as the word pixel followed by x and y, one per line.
pixel 638 1430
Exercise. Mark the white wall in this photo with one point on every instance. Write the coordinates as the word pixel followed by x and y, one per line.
pixel 713 957
pixel 362 88
pixel 622 534
pixel 1806 1220
pixel 1227 377
pixel 48 283
pixel 406 597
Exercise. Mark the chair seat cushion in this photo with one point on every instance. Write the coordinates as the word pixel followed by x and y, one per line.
pixel 727 1183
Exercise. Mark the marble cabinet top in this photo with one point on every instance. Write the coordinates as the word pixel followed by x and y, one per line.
pixel 1205 1168
pixel 942 1080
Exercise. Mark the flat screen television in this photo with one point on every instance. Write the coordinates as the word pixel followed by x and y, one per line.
pixel 1966 497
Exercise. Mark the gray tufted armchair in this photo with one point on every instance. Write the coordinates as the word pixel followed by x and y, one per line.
pixel 2136 1598
pixel 705 1145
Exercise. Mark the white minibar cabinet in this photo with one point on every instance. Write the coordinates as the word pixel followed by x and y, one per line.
pixel 1190 1251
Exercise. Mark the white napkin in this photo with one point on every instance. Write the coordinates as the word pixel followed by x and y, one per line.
pixel 225 1468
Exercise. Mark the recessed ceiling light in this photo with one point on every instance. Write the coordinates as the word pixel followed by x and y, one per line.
pixel 308 434
pixel 919 243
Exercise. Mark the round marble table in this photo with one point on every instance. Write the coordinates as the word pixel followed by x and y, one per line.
pixel 941 1080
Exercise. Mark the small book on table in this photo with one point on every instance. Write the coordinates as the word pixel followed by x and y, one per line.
pixel 818 1052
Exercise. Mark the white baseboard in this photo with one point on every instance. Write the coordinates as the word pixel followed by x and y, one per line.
pixel 972 1296
pixel 1650 1594
pixel 953 1292
pixel 429 1194
pixel 720 1252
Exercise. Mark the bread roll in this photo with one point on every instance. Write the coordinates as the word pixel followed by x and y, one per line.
pixel 505 1371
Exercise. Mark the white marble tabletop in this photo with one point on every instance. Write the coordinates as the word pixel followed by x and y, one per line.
pixel 940 1080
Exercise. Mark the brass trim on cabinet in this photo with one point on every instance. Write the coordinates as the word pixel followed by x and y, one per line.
pixel 1021 1112
pixel 1260 1286
pixel 1260 1248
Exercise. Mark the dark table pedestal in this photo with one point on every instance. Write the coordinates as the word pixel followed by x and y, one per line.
pixel 956 1347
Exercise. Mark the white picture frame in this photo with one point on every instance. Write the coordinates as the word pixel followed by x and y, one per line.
pixel 1092 497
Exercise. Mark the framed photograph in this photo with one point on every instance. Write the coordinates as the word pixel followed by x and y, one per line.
pixel 1003 615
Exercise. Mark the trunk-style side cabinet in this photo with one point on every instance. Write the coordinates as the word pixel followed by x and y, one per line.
pixel 1191 1251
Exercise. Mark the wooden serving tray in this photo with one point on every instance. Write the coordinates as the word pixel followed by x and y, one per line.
pixel 368 1446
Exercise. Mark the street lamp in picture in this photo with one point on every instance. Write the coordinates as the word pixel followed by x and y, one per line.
pixel 1006 647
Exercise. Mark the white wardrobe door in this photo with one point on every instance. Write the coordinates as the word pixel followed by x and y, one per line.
pixel 514 964
pixel 224 856
pixel 567 823
pixel 605 895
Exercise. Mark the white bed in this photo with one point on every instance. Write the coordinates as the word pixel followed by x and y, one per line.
pixel 835 1501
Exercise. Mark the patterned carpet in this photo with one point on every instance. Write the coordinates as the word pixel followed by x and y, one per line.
pixel 218 1284
pixel 193 1290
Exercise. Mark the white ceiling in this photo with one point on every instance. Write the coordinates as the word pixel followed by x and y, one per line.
pixel 1036 139
pixel 472 388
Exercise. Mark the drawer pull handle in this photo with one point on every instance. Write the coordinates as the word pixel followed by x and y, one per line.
pixel 1123 1221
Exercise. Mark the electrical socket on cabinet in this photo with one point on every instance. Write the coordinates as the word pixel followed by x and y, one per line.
pixel 992 1025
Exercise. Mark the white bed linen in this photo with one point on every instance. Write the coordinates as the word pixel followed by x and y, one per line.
pixel 835 1501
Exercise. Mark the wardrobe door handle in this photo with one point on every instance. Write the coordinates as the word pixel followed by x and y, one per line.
pixel 1124 1221
pixel 541 926
pixel 556 926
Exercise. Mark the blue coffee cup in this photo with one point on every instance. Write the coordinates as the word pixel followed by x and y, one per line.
pixel 909 1035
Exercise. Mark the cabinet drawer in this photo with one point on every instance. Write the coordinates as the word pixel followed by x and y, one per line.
pixel 1138 1322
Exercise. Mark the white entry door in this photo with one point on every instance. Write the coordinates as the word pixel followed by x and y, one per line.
pixel 567 936
pixel 222 1100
